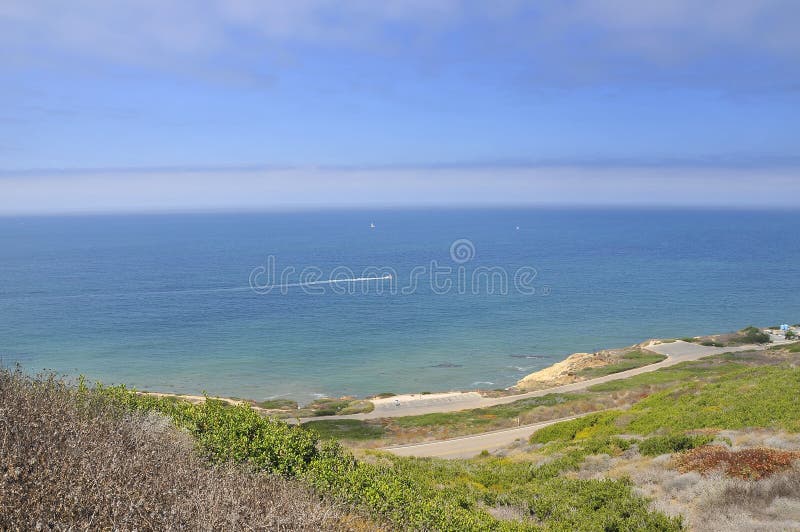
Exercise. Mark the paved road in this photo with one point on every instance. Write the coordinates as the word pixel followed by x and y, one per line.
pixel 416 404
pixel 469 446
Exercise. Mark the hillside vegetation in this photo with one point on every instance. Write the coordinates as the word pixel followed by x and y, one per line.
pixel 715 441
pixel 753 397
pixel 709 444
pixel 741 407
pixel 153 485
pixel 74 459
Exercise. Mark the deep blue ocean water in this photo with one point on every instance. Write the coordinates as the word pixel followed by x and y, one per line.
pixel 162 302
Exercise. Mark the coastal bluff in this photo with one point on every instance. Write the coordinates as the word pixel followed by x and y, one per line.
pixel 580 366
pixel 564 372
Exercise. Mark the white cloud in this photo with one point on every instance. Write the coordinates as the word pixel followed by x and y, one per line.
pixel 145 30
pixel 665 27
pixel 583 40
pixel 302 188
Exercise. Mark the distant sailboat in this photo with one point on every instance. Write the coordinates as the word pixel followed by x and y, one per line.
pixel 372 225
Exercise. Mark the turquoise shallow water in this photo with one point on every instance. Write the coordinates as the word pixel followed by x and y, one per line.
pixel 162 302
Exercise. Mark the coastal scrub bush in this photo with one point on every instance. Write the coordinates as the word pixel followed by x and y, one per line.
pixel 357 407
pixel 434 494
pixel 747 464
pixel 412 494
pixel 791 348
pixel 334 407
pixel 239 434
pixel 657 445
pixel 72 460
pixel 223 432
pixel 753 397
pixel 712 343
pixel 277 404
pixel 328 407
pixel 630 360
pixel 702 370
pixel 751 335
pixel 758 397
pixel 346 429
pixel 570 455
pixel 592 425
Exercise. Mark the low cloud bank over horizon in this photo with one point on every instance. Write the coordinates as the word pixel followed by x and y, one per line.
pixel 193 190
pixel 616 102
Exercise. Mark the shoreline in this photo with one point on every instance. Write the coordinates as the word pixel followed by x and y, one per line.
pixel 386 405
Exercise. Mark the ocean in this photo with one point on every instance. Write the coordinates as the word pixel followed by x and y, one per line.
pixel 430 300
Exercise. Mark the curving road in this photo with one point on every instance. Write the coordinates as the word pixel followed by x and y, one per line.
pixel 416 404
pixel 469 446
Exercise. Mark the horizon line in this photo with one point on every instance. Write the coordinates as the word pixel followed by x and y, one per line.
pixel 405 207
pixel 708 162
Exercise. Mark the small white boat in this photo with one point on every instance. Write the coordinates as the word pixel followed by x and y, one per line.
pixel 372 225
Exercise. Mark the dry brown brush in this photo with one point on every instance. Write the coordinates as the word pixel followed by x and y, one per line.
pixel 747 464
pixel 72 464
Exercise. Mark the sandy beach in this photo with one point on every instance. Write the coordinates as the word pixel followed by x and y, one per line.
pixel 549 380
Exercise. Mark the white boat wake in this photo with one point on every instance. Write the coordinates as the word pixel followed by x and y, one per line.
pixel 327 281
pixel 259 289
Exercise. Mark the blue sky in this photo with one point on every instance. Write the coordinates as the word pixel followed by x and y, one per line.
pixel 244 104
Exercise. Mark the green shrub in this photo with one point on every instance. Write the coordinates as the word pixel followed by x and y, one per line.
pixel 411 494
pixel 752 335
pixel 630 360
pixel 277 404
pixel 711 343
pixel 591 425
pixel 736 398
pixel 346 429
pixel 675 443
pixel 706 370
pixel 334 407
pixel 757 397
pixel 791 348
pixel 357 407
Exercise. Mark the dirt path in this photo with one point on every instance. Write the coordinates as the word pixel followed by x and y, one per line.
pixel 469 446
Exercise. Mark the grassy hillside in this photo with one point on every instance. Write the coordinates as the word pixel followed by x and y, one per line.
pixel 716 441
pixel 631 360
pixel 613 394
pixel 162 463
pixel 481 494
pixel 745 398
pixel 742 401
